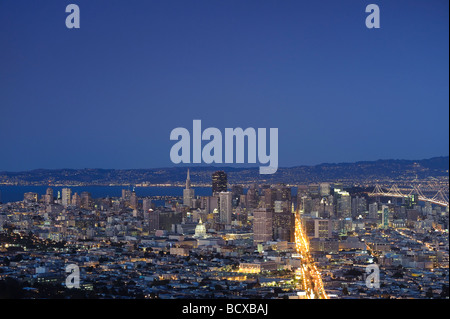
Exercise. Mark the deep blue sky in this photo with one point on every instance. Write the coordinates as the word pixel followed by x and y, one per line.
pixel 109 94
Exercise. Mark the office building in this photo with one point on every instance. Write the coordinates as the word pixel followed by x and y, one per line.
pixel 133 200
pixel 283 225
pixel 343 204
pixel 66 197
pixel 324 189
pixel 237 191
pixel 373 211
pixel 146 205
pixel 86 200
pixel 225 207
pixel 262 225
pixel 49 196
pixel 219 182
pixel 153 222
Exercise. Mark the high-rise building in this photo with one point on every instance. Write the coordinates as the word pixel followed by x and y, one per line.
pixel 252 197
pixel 188 192
pixel 153 222
pixel 146 204
pixel 373 211
pixel 76 200
pixel 322 228
pixel 358 206
pixel 338 187
pixel 219 182
pixel 309 225
pixel 283 223
pixel 281 206
pixel 343 204
pixel 324 189
pixel 237 191
pixel 86 200
pixel 385 217
pixel 126 194
pixel 302 194
pixel 269 198
pixel 66 198
pixel 210 203
pixel 314 190
pixel 225 208
pixel 411 201
pixel 307 205
pixel 326 207
pixel 133 200
pixel 49 196
pixel 282 193
pixel 262 225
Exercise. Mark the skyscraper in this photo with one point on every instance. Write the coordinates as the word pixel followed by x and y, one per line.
pixel 146 205
pixel 302 194
pixel 322 228
pixel 373 211
pixel 225 207
pixel 282 192
pixel 188 192
pixel 66 197
pixel 314 190
pixel 133 200
pixel 76 200
pixel 343 204
pixel 262 225
pixel 153 222
pixel 324 189
pixel 252 196
pixel 385 217
pixel 269 198
pixel 237 191
pixel 219 182
pixel 48 196
pixel 86 200
pixel 283 223
pixel 359 206
pixel 126 194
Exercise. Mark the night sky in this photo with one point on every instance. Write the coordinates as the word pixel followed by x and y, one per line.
pixel 108 95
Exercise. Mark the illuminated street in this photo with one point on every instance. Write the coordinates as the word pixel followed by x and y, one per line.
pixel 311 280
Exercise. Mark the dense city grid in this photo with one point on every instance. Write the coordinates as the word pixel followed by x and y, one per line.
pixel 244 241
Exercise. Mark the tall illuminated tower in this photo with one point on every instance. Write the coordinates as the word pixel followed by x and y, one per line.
pixel 188 192
pixel 66 197
pixel 225 207
pixel 219 182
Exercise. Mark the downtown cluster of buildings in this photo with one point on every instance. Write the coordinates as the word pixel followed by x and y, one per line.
pixel 237 243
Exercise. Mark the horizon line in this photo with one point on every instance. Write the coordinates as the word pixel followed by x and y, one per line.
pixel 199 165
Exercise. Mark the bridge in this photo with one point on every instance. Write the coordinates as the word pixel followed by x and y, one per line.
pixel 441 197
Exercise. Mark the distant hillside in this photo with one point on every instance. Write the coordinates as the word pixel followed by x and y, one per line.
pixel 360 171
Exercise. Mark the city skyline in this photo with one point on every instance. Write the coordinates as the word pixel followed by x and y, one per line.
pixel 229 157
pixel 108 94
pixel 266 243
